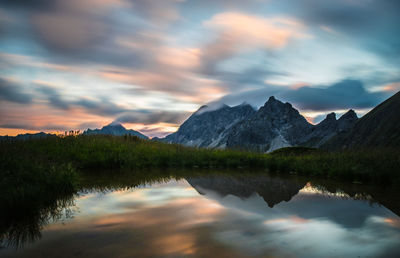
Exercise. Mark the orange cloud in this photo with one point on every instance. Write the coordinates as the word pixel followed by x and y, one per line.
pixel 249 31
pixel 394 87
pixel 40 117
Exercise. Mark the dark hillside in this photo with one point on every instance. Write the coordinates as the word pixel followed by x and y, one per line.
pixel 378 128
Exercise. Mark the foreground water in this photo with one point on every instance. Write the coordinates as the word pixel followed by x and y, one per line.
pixel 209 216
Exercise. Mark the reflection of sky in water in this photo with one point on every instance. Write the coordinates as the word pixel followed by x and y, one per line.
pixel 144 196
pixel 173 219
pixel 312 225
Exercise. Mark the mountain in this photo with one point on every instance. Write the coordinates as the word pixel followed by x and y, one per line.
pixel 328 128
pixel 275 125
pixel 28 136
pixel 272 190
pixel 208 127
pixel 378 128
pixel 114 129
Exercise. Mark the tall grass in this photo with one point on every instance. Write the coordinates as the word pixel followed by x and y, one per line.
pixel 376 166
pixel 126 152
pixel 43 157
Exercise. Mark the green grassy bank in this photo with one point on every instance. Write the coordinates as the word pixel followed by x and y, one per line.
pixel 41 166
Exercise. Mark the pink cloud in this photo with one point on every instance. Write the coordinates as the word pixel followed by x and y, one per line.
pixel 250 31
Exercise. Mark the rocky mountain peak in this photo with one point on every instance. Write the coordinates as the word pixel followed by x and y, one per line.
pixel 275 125
pixel 116 129
pixel 276 107
pixel 349 115
pixel 331 116
pixel 271 99
pixel 114 125
pixel 347 120
pixel 208 128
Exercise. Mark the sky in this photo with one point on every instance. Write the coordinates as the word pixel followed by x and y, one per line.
pixel 148 64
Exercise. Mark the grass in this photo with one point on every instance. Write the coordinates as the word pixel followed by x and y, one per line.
pixel 38 167
pixel 110 152
pixel 375 166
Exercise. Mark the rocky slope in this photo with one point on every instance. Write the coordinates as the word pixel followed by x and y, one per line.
pixel 378 128
pixel 328 128
pixel 114 129
pixel 210 128
pixel 275 125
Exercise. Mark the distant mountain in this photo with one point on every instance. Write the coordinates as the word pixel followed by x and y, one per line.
pixel 378 128
pixel 328 128
pixel 275 125
pixel 114 129
pixel 28 136
pixel 209 128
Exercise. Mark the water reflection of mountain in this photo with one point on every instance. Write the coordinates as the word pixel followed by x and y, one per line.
pixel 388 196
pixel 272 190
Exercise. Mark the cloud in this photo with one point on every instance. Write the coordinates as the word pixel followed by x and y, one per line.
pixel 340 95
pixel 28 4
pixel 239 32
pixel 30 126
pixel 158 131
pixel 371 24
pixel 345 94
pixel 99 106
pixel 153 117
pixel 13 92
pixel 159 12
pixel 53 100
pixel 247 78
pixel 68 32
pixel 53 96
pixel 255 31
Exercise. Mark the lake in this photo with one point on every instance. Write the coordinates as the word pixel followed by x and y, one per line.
pixel 208 215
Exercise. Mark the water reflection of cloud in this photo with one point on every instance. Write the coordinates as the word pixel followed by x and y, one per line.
pixel 145 196
pixel 173 220
pixel 310 223
pixel 180 227
pixel 310 238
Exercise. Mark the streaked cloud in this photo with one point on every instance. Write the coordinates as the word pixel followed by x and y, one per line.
pixel 346 94
pixel 239 32
pixel 152 117
pixel 142 61
pixel 11 91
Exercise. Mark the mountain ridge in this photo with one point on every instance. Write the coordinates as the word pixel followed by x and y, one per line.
pixel 378 128
pixel 273 126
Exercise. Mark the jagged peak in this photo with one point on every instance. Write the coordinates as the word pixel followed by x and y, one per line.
pixel 271 98
pixel 349 114
pixel 272 101
pixel 331 116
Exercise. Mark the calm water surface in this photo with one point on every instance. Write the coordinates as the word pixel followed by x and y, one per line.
pixel 211 216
